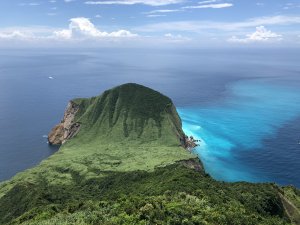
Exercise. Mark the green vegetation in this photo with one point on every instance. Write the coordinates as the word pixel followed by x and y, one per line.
pixel 129 113
pixel 169 195
pixel 126 166
pixel 291 201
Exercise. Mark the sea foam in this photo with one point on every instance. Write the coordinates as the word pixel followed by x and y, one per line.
pixel 253 111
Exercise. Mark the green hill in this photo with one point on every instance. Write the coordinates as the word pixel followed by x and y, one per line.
pixel 122 162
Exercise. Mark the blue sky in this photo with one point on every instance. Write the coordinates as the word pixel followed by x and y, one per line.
pixel 144 22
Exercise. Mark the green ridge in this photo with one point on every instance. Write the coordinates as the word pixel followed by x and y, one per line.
pixel 126 166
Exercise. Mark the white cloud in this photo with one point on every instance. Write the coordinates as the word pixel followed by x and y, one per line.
pixel 79 29
pixel 208 1
pixel 63 34
pixel 122 33
pixel 198 26
pixel 82 28
pixel 168 35
pixel 260 35
pixel 51 14
pixel 15 35
pixel 30 4
pixel 172 36
pixel 176 38
pixel 156 15
pixel 212 6
pixel 163 11
pixel 260 4
pixel 291 6
pixel 133 2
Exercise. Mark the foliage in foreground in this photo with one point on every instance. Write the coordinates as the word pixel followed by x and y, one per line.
pixel 169 195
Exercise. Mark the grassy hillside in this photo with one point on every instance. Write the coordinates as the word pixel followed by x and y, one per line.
pixel 126 166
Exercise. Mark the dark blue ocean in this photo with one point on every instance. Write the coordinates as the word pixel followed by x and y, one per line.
pixel 243 104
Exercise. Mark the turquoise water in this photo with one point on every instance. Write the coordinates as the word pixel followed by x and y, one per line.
pixel 253 112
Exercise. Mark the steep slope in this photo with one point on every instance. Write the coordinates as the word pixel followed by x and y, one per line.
pixel 122 162
pixel 129 112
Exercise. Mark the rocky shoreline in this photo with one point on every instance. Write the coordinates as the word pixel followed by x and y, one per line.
pixel 189 143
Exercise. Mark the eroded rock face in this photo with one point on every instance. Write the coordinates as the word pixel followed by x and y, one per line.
pixel 56 136
pixel 67 128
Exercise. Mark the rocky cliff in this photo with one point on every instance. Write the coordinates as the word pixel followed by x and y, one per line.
pixel 67 128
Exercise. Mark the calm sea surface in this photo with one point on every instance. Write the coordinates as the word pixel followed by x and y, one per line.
pixel 243 104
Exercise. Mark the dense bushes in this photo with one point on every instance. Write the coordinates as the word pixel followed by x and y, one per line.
pixel 170 195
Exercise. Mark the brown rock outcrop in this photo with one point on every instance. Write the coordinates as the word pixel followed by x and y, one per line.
pixel 67 128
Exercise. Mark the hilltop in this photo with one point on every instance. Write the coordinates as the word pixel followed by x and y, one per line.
pixel 129 127
pixel 122 161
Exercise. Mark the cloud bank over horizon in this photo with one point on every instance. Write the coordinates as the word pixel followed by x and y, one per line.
pixel 80 29
pixel 145 22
